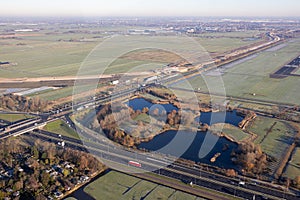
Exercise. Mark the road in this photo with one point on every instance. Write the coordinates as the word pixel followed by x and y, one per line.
pixel 149 161
pixel 165 166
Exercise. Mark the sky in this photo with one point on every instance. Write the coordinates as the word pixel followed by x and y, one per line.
pixel 150 8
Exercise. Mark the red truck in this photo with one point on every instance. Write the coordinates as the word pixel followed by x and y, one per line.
pixel 133 163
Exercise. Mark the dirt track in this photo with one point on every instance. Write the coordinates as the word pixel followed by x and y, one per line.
pixel 52 78
pixel 19 35
pixel 62 80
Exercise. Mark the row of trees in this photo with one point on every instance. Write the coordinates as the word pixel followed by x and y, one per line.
pixel 162 93
pixel 22 103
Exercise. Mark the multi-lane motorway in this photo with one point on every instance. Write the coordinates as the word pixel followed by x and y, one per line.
pixel 166 166
pixel 149 161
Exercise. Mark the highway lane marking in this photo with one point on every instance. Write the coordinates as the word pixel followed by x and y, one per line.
pixel 168 169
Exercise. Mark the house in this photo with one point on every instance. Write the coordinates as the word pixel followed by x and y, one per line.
pixel 83 179
pixel 54 173
pixel 17 193
pixel 58 194
pixel 21 169
pixel 9 173
pixel 67 188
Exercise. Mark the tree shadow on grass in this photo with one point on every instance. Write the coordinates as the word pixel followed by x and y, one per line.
pixel 285 139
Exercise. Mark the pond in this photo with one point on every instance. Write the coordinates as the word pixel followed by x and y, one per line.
pixel 187 145
pixel 205 117
pixel 220 117
pixel 140 103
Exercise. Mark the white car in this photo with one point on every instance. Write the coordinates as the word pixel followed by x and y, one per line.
pixel 242 183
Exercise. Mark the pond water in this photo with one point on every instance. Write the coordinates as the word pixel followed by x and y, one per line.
pixel 205 117
pixel 187 145
pixel 220 117
pixel 140 103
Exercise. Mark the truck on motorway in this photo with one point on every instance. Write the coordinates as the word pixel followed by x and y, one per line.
pixel 150 79
pixel 133 163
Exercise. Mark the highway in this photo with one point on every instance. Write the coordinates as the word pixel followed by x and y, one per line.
pixel 107 151
pixel 150 162
pixel 164 166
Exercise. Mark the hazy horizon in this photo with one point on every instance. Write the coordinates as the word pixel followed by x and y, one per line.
pixel 138 8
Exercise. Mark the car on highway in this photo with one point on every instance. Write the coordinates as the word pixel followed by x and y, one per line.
pixel 242 183
pixel 133 163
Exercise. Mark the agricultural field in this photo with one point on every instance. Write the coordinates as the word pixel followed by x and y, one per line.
pixel 236 133
pixel 244 35
pixel 150 96
pixel 232 131
pixel 55 94
pixel 273 135
pixel 60 93
pixel 60 127
pixel 122 65
pixel 218 45
pixel 65 93
pixel 40 58
pixel 14 117
pixel 252 77
pixel 115 185
pixel 293 167
pixel 154 55
pixel 70 198
pixel 143 118
pixel 297 72
pixel 35 91
pixel 60 51
pixel 254 106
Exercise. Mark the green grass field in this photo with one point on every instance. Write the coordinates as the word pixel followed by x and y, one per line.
pixel 297 72
pixel 245 34
pixel 70 198
pixel 60 127
pixel 181 195
pixel 60 93
pixel 278 139
pixel 252 76
pixel 293 167
pixel 254 106
pixel 14 117
pixel 143 117
pixel 150 96
pixel 232 131
pixel 55 94
pixel 115 185
pixel 223 43
pixel 161 192
pixel 43 58
pixel 60 51
pixel 236 133
pixel 127 65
